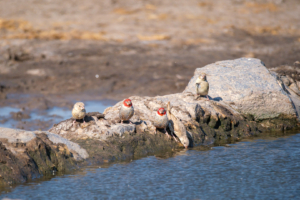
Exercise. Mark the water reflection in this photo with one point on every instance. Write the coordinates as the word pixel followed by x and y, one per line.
pixel 254 169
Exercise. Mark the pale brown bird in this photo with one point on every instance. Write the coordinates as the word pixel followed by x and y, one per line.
pixel 202 86
pixel 126 110
pixel 177 127
pixel 78 111
pixel 161 120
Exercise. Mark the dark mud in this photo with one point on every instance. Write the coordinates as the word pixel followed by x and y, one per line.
pixel 116 71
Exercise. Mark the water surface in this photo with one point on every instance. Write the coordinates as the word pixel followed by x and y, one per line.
pixel 255 169
pixel 50 116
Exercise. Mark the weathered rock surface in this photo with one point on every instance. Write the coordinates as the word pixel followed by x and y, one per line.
pixel 288 78
pixel 25 155
pixel 248 86
pixel 246 100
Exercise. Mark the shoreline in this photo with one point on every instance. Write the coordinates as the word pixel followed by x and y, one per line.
pixel 166 155
pixel 250 111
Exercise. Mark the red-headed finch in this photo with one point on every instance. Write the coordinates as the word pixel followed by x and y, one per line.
pixel 161 120
pixel 126 111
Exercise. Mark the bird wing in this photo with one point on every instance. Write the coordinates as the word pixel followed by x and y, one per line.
pixel 179 128
pixel 197 86
pixel 74 114
pixel 175 125
pixel 171 124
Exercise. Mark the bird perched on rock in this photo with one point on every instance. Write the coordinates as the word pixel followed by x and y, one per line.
pixel 126 111
pixel 161 120
pixel 177 127
pixel 78 111
pixel 202 86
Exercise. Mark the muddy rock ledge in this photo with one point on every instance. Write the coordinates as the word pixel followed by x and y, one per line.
pixel 246 99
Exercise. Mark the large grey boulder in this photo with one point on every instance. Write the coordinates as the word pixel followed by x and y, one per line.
pixel 247 86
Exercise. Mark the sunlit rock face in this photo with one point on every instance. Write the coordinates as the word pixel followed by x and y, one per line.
pixel 247 86
pixel 26 155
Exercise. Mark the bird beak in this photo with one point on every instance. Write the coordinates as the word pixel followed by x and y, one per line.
pixel 186 147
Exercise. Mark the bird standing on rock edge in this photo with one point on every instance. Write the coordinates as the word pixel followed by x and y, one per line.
pixel 78 112
pixel 202 86
pixel 161 120
pixel 126 110
pixel 178 128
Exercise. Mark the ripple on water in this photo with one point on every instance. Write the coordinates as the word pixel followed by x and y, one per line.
pixel 258 169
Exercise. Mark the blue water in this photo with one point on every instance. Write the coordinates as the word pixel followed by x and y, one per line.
pixel 53 115
pixel 5 111
pixel 266 168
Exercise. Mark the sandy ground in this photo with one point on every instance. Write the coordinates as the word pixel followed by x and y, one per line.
pixel 56 52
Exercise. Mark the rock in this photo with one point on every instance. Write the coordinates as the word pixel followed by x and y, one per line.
pixel 294 88
pixel 290 76
pixel 217 116
pixel 2 90
pixel 248 86
pixel 246 100
pixel 78 152
pixel 290 81
pixel 19 115
pixel 94 128
pixel 25 155
pixel 14 135
pixel 96 114
pixel 122 129
pixel 18 54
pixel 286 80
pixel 37 72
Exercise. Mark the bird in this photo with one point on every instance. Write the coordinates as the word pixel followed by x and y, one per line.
pixel 177 127
pixel 78 111
pixel 126 111
pixel 161 120
pixel 202 86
